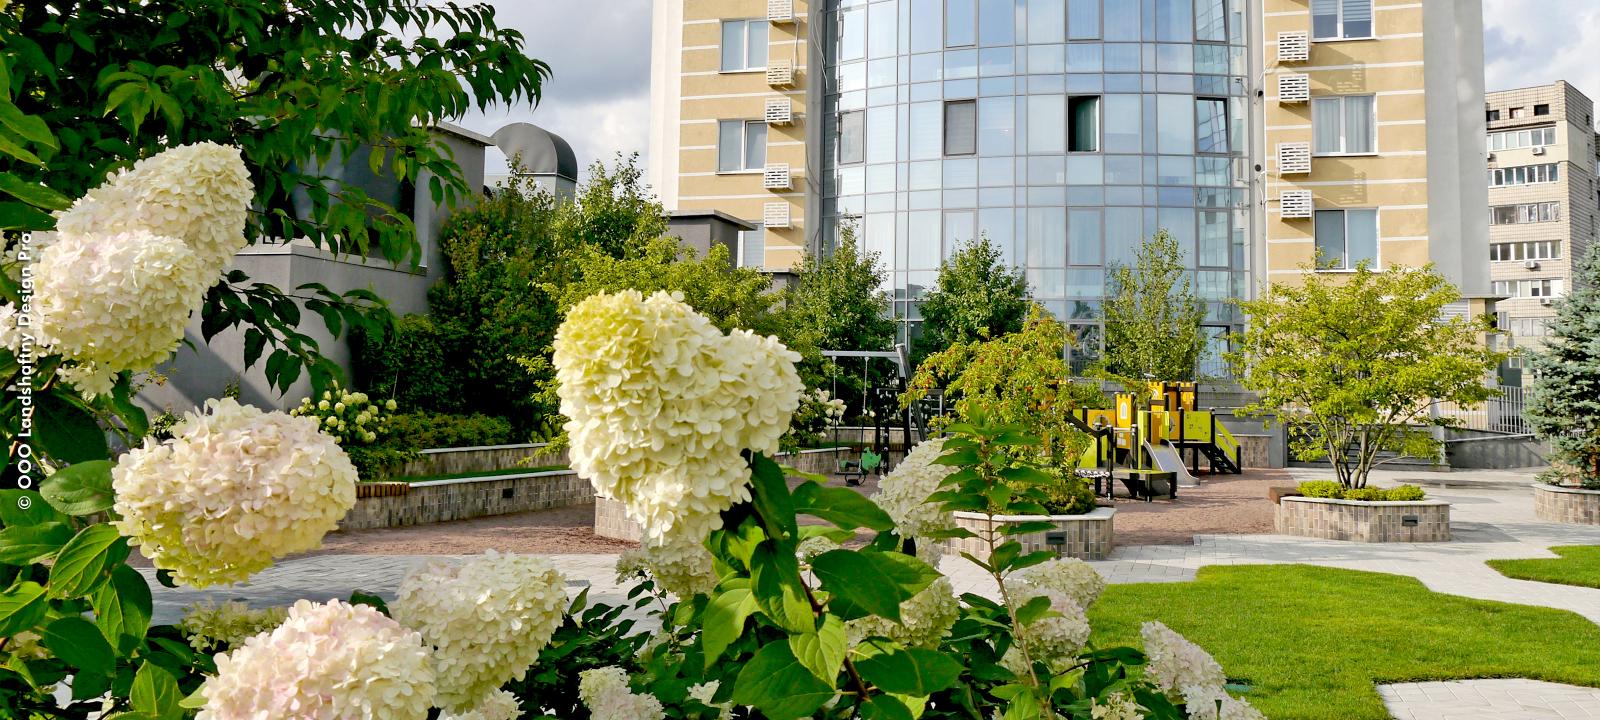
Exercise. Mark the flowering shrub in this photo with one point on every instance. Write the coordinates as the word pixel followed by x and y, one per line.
pixel 213 626
pixel 234 488
pixel 816 412
pixel 362 427
pixel 606 693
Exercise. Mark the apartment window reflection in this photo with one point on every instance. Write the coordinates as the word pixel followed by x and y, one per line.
pixel 996 22
pixel 1211 125
pixel 961 127
pixel 852 131
pixel 1083 19
pixel 960 23
pixel 744 45
pixel 1346 237
pixel 1341 19
pixel 1210 20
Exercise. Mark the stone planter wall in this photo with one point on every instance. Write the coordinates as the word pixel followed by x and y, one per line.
pixel 1088 537
pixel 1553 503
pixel 445 500
pixel 611 521
pixel 1363 521
pixel 454 461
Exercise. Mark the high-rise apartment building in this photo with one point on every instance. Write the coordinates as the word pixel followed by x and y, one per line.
pixel 1067 131
pixel 1543 200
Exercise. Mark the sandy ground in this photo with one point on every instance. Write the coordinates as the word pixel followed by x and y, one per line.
pixel 1225 504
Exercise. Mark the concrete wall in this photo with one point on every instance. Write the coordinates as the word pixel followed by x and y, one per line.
pixel 1491 452
pixel 453 461
pixel 446 500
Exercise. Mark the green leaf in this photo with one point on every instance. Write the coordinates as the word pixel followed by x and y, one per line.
pixel 86 561
pixel 884 707
pixel 22 216
pixel 841 506
pixel 122 609
pixel 28 544
pixel 29 127
pixel 79 644
pixel 910 671
pixel 724 620
pixel 27 507
pixel 68 431
pixel 779 686
pixel 22 606
pixel 876 581
pixel 156 693
pixel 33 193
pixel 770 492
pixel 133 416
pixel 80 489
pixel 358 597
pixel 822 652
pixel 194 700
pixel 1032 610
pixel 775 579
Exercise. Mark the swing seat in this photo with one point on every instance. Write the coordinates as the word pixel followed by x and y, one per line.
pixel 851 471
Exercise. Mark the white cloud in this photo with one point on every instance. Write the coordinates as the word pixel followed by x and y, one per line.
pixel 1537 42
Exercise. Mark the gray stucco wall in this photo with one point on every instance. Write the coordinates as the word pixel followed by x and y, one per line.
pixel 1458 187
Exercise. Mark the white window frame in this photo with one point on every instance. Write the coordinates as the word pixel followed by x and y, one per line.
pixel 1377 238
pixel 1344 141
pixel 1339 35
pixel 744 145
pixel 744 235
pixel 722 50
pixel 1524 250
pixel 1536 174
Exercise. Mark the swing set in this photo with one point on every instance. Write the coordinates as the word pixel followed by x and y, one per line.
pixel 880 406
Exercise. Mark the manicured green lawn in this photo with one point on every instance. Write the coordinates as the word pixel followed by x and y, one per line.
pixel 1578 565
pixel 1312 642
pixel 481 473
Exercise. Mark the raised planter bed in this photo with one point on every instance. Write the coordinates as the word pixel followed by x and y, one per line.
pixel 435 501
pixel 1362 521
pixel 1086 537
pixel 462 460
pixel 1577 506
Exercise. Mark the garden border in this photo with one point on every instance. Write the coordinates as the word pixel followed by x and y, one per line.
pixel 1363 520
pixel 1569 505
pixel 1089 536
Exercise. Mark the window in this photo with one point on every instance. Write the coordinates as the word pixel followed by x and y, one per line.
pixel 1343 125
pixel 1523 175
pixel 1083 19
pixel 1083 128
pixel 741 145
pixel 960 127
pixel 1517 112
pixel 1047 123
pixel 1494 116
pixel 1541 109
pixel 1211 124
pixel 1341 19
pixel 1525 213
pixel 1540 288
pixel 960 23
pixel 744 45
pixel 1210 21
pixel 1517 139
pixel 753 248
pixel 1530 250
pixel 852 130
pixel 1346 237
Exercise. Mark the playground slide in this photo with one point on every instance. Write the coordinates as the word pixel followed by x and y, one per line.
pixel 1166 457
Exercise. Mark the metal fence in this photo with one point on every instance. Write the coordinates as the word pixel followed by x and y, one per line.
pixel 1501 414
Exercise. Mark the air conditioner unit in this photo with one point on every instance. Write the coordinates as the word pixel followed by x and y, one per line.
pixel 1538 150
pixel 1531 264
pixel 1296 205
pixel 775 215
pixel 776 177
pixel 780 73
pixel 1294 88
pixel 1547 301
pixel 780 11
pixel 1294 46
pixel 1294 158
pixel 1491 157
pixel 779 111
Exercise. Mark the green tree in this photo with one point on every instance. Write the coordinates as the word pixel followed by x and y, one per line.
pixel 296 85
pixel 837 301
pixel 1152 317
pixel 977 297
pixel 1564 402
pixel 1353 363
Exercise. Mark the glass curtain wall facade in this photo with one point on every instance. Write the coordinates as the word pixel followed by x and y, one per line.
pixel 1066 131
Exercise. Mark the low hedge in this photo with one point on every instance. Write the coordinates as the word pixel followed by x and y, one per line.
pixel 444 430
pixel 1331 490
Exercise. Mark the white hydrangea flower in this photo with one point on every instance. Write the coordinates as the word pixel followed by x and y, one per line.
pixel 119 300
pixel 1118 706
pixel 680 565
pixel 925 618
pixel 705 693
pixel 497 705
pixel 811 547
pixel 197 193
pixel 233 489
pixel 606 693
pixel 486 618
pixel 1054 640
pixel 1214 703
pixel 91 380
pixel 1070 576
pixel 10 334
pixel 211 625
pixel 903 494
pixel 333 661
pixel 662 404
pixel 1181 668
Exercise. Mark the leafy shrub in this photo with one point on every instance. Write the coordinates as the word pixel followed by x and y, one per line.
pixel 1322 489
pixel 811 420
pixel 590 637
pixel 1405 493
pixel 412 364
pixel 1068 494
pixel 444 430
pixel 1366 494
pixel 362 428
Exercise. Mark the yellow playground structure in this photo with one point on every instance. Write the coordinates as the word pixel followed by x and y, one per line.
pixel 1157 430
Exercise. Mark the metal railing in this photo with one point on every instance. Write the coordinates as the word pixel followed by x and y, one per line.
pixel 1501 414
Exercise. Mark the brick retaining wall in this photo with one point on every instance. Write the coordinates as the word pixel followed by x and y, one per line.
pixel 1577 506
pixel 457 461
pixel 1363 521
pixel 1088 536
pixel 445 500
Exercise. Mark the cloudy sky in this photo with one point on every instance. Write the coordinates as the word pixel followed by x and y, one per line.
pixel 599 51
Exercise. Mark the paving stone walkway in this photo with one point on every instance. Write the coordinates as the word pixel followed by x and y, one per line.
pixel 1503 699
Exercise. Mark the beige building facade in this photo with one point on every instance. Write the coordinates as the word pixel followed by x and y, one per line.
pixel 1371 126
pixel 1543 200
